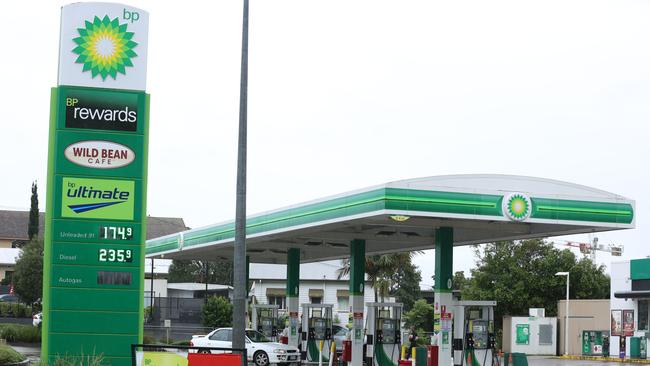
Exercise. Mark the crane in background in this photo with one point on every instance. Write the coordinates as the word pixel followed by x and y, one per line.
pixel 590 249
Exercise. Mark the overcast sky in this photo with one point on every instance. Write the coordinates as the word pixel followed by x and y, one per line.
pixel 346 94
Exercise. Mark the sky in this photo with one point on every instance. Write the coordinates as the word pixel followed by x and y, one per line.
pixel 349 94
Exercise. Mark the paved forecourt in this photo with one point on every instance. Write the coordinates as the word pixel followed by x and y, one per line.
pixel 433 212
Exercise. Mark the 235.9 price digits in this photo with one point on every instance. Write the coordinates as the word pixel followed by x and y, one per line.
pixel 116 255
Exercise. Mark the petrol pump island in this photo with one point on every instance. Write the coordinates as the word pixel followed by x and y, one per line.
pixel 439 213
pixel 96 221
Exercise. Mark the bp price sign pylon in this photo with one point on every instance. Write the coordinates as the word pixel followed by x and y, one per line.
pixel 95 226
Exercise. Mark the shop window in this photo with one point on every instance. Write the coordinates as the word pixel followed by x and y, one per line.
pixel 277 300
pixel 643 315
pixel 316 300
pixel 343 303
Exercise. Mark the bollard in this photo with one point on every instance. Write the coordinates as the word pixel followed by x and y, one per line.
pixel 320 354
pixel 413 357
pixel 332 353
pixel 403 352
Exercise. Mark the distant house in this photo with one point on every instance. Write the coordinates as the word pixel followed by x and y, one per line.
pixel 13 233
pixel 319 284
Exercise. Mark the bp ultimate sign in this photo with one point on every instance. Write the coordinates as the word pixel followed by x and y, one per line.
pixel 96 187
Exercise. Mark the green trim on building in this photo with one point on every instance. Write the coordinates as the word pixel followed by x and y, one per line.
pixel 357 266
pixel 455 203
pixel 444 239
pixel 293 272
pixel 544 208
pixel 640 269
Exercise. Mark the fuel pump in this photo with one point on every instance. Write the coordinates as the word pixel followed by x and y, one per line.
pixel 316 327
pixel 384 336
pixel 266 320
pixel 474 341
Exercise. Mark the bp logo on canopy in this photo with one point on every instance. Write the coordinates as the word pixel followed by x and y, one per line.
pixel 517 206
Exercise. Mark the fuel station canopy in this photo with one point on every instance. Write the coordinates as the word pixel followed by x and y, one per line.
pixel 402 216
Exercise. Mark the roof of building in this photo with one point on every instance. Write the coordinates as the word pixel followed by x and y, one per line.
pixel 195 286
pixel 13 225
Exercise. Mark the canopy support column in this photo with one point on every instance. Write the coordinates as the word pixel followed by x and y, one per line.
pixel 293 284
pixel 357 281
pixel 444 240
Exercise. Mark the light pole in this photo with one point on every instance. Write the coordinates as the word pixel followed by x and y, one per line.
pixel 566 312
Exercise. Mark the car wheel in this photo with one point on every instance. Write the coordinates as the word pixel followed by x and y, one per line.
pixel 261 358
pixel 204 351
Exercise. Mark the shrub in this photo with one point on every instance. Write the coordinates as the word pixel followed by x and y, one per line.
pixel 217 312
pixel 147 339
pixel 9 333
pixel 83 360
pixel 9 355
pixel 17 310
pixel 5 308
pixel 20 333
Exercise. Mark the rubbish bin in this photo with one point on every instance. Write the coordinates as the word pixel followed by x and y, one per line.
pixel 519 359
pixel 420 356
pixel 643 348
pixel 432 356
pixel 635 347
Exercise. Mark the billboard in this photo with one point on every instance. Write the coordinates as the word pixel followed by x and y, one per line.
pixel 95 227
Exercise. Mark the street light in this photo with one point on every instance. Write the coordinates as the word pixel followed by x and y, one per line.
pixel 566 321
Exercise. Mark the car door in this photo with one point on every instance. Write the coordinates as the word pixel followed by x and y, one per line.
pixel 220 339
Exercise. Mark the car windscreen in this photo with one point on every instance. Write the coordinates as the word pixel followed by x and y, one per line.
pixel 256 336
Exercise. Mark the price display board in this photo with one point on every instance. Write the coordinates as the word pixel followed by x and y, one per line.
pixel 95 227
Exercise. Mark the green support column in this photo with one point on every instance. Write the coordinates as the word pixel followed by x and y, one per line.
pixel 442 321
pixel 248 291
pixel 444 259
pixel 293 285
pixel 357 282
pixel 248 270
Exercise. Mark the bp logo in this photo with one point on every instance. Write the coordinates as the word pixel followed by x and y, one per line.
pixel 105 47
pixel 88 198
pixel 517 206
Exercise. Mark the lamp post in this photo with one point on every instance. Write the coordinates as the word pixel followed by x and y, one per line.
pixel 566 312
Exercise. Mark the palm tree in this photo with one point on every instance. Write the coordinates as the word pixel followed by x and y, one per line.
pixel 379 269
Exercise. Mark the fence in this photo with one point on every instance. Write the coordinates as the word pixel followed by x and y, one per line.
pixel 177 309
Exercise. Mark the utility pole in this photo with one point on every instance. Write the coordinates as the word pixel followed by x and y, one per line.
pixel 239 262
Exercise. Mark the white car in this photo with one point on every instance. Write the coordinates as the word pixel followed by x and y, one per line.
pixel 37 319
pixel 258 348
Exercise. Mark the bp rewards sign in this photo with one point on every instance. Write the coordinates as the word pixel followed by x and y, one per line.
pixel 97 178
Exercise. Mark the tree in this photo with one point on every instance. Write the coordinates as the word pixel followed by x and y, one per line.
pixel 28 273
pixel 459 281
pixel 32 228
pixel 420 316
pixel 219 272
pixel 217 312
pixel 521 275
pixel 380 270
pixel 406 284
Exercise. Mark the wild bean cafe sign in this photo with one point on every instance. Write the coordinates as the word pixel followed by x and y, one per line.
pixel 95 226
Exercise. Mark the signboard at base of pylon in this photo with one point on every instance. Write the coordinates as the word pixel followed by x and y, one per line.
pixel 103 45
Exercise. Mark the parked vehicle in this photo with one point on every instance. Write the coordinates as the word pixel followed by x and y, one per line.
pixel 340 334
pixel 259 348
pixel 9 298
pixel 37 319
